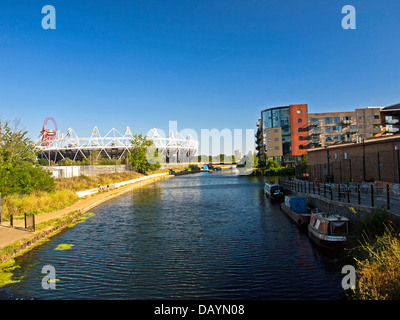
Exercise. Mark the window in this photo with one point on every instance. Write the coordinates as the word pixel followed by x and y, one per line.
pixel 317 130
pixel 376 116
pixel 338 228
pixel 276 148
pixel 338 138
pixel 300 129
pixel 298 111
pixel 328 138
pixel 371 117
pixel 345 155
pixel 328 120
pixel 314 121
pixel 276 139
pixel 269 140
pixel 329 129
pixel 299 120
pixel 276 130
pixel 347 118
pixel 336 120
pixel 300 138
pixel 269 131
pixel 335 156
pixel 361 126
pixel 361 117
pixel 338 128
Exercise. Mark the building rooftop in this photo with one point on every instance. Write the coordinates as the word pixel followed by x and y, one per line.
pixel 394 107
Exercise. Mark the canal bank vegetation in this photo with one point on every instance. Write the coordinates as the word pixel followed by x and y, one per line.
pixel 374 251
pixel 26 187
pixel 19 171
pixel 272 168
pixel 63 195
pixel 144 158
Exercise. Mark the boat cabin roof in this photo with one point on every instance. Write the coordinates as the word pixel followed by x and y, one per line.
pixel 329 216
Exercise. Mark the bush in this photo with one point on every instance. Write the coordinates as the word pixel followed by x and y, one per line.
pixel 378 275
pixel 25 178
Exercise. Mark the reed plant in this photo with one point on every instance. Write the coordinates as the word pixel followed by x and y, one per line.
pixel 36 202
pixel 378 273
pixel 375 251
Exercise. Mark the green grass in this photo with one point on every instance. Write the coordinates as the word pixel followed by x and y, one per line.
pixel 64 195
pixel 37 202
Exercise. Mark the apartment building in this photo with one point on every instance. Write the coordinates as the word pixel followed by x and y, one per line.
pixel 282 133
pixel 329 128
pixel 391 119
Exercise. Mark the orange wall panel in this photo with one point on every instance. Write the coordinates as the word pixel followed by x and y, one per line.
pixel 298 120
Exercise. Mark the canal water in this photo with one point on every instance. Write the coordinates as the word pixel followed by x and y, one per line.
pixel 200 236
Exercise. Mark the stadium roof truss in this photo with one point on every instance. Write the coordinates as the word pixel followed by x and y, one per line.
pixel 112 145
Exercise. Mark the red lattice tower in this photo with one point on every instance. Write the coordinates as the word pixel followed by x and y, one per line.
pixel 48 135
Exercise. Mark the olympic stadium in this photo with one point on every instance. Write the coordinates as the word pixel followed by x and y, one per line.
pixel 55 146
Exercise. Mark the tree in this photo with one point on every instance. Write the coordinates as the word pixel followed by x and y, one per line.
pixel 272 164
pixel 144 157
pixel 19 169
pixel 302 166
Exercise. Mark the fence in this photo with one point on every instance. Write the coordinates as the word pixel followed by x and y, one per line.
pixel 374 195
pixel 29 222
pixel 75 171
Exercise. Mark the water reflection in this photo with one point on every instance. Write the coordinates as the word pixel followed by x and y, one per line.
pixel 208 236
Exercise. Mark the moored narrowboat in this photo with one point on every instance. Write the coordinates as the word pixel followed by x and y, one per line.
pixel 328 230
pixel 274 191
pixel 295 207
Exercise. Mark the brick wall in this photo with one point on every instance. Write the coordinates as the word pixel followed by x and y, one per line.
pixel 374 160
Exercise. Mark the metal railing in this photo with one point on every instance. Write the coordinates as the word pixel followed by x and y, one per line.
pixel 370 195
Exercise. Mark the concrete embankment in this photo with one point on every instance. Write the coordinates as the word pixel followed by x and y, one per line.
pixel 17 240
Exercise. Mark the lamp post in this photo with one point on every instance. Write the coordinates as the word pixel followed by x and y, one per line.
pixel 329 170
pixel 398 162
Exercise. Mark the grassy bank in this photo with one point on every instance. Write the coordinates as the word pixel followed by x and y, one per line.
pixel 63 196
pixel 374 251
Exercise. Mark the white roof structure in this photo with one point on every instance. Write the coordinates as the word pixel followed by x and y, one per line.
pixel 113 145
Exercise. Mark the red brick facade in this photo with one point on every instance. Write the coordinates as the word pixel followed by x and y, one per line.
pixel 373 160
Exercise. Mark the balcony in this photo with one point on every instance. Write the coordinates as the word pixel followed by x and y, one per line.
pixel 392 129
pixel 392 121
pixel 347 138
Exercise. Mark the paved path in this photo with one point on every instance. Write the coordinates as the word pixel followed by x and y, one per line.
pixel 10 235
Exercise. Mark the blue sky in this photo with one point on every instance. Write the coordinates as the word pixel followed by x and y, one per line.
pixel 205 64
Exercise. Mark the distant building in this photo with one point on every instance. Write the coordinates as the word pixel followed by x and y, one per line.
pixel 282 133
pixel 286 133
pixel 329 128
pixel 238 154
